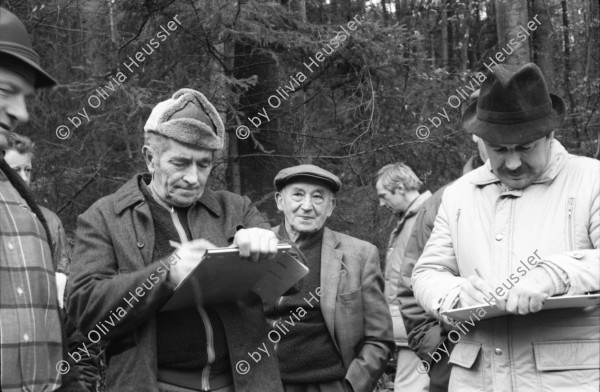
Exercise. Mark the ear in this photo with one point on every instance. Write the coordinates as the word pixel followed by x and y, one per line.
pixel 279 200
pixel 150 158
pixel 400 188
pixel 331 206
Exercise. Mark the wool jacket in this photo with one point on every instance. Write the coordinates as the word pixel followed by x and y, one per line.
pixel 482 224
pixel 113 258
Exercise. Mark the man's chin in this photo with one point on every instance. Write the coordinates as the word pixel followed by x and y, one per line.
pixel 184 201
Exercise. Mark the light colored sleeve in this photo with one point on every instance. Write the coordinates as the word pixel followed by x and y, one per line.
pixel 435 279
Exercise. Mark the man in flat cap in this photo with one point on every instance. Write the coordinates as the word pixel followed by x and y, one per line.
pixel 511 234
pixel 125 268
pixel 335 334
pixel 33 345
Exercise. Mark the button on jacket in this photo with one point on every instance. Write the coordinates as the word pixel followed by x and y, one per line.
pixel 482 224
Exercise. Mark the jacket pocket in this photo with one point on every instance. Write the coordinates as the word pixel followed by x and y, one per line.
pixel 347 299
pixel 562 364
pixel 467 374
pixel 567 355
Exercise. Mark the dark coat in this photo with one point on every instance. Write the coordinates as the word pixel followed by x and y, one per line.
pixel 113 257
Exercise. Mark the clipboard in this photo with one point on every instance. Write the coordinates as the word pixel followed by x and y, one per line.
pixel 223 277
pixel 561 302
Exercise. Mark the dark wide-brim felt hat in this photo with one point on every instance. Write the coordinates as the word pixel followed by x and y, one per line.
pixel 514 106
pixel 15 43
pixel 295 173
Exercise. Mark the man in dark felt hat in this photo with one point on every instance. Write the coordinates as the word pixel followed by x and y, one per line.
pixel 520 229
pixel 335 334
pixel 33 345
pixel 125 268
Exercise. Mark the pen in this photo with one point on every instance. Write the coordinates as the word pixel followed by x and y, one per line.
pixel 494 300
pixel 174 244
pixel 478 273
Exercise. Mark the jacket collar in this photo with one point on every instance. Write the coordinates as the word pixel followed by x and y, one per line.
pixel 130 194
pixel 413 208
pixel 558 156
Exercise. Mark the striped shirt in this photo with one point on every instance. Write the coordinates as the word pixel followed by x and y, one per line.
pixel 30 329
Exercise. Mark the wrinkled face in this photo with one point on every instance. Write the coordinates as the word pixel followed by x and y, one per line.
pixel 21 163
pixel 13 109
pixel 180 173
pixel 394 201
pixel 517 166
pixel 306 205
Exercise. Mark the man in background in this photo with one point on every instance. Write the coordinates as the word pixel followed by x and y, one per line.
pixel 398 191
pixel 336 331
pixel 32 341
pixel 19 155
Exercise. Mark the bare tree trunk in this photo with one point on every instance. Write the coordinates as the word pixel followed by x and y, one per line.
pixel 543 41
pixel 444 41
pixel 299 7
pixel 386 16
pixel 464 26
pixel 511 16
pixel 592 69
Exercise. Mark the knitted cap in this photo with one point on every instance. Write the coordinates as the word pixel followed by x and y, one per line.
pixel 189 118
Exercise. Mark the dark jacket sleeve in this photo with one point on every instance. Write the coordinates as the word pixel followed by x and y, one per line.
pixel 425 333
pixel 99 289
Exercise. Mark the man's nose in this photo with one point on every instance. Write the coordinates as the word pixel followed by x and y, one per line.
pixel 306 203
pixel 513 162
pixel 191 175
pixel 16 110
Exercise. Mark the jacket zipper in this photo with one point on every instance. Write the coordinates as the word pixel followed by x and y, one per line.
pixel 210 343
pixel 276 321
pixel 457 233
pixel 571 224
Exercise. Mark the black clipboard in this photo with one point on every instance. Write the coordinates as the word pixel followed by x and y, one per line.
pixel 223 277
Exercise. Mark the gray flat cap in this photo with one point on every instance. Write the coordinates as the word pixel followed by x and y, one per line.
pixel 287 175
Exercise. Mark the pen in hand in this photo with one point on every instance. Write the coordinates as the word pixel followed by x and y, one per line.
pixel 497 302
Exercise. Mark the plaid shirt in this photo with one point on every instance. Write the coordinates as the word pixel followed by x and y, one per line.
pixel 30 329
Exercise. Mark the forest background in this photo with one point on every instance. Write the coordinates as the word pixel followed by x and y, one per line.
pixel 357 109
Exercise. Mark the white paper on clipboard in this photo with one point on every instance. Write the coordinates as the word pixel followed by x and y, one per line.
pixel 223 277
pixel 561 302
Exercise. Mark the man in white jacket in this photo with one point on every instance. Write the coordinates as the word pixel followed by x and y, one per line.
pixel 512 233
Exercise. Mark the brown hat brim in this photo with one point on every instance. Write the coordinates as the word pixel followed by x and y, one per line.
pixel 517 133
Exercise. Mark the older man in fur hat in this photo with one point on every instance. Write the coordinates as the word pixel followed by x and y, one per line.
pixel 520 229
pixel 125 268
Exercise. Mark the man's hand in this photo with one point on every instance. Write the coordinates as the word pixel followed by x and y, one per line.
pixel 526 297
pixel 255 243
pixel 529 295
pixel 475 291
pixel 188 256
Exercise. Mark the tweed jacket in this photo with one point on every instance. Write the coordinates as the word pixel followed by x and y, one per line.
pixel 354 307
pixel 113 256
pixel 482 224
